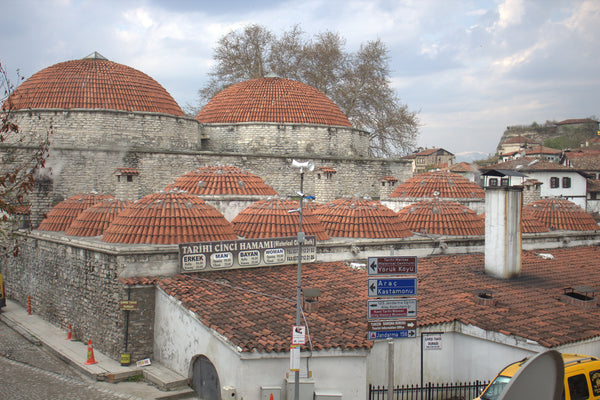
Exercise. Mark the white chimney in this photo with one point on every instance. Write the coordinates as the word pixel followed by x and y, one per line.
pixel 503 231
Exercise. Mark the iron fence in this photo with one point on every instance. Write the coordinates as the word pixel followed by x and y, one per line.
pixel 430 391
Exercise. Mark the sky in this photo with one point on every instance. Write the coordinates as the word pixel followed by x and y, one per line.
pixel 468 68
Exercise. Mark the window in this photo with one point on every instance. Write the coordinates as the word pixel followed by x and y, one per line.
pixel 593 196
pixel 420 160
pixel 504 182
pixel 554 182
pixel 493 182
pixel 595 379
pixel 129 178
pixel 566 182
pixel 578 387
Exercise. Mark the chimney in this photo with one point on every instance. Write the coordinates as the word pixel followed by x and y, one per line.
pixel 41 199
pixel 503 231
pixel 388 184
pixel 127 185
pixel 325 184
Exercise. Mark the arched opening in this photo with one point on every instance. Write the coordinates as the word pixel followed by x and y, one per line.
pixel 205 380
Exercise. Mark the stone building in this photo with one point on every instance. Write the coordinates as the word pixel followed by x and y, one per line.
pixel 109 121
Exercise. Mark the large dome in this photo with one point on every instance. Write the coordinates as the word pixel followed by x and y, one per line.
pixel 93 83
pixel 272 100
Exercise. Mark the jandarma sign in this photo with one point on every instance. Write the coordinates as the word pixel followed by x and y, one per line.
pixel 244 253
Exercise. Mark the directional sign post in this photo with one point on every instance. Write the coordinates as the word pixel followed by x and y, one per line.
pixel 391 308
pixel 388 287
pixel 392 265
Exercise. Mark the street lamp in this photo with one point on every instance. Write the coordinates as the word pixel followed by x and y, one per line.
pixel 309 165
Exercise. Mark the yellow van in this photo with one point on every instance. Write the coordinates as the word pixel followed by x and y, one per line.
pixel 582 378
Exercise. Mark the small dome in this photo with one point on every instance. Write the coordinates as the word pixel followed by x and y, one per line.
pixel 359 218
pixel 64 213
pixel 222 180
pixel 94 83
pixel 442 184
pixel 168 218
pixel 272 218
pixel 272 100
pixel 440 217
pixel 561 214
pixel 530 223
pixel 95 219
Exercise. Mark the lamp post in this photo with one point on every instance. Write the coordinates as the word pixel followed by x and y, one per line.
pixel 301 239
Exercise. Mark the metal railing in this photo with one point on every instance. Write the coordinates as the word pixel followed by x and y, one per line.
pixel 430 391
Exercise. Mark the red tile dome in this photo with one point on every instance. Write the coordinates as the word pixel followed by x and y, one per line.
pixel 530 223
pixel 94 220
pixel 272 218
pixel 561 214
pixel 168 218
pixel 272 100
pixel 95 83
pixel 222 180
pixel 360 218
pixel 440 217
pixel 441 184
pixel 64 213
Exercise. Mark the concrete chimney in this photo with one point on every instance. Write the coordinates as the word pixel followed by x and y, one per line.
pixel 503 231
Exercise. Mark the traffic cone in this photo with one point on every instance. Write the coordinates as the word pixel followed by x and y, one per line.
pixel 90 354
pixel 271 396
pixel 69 333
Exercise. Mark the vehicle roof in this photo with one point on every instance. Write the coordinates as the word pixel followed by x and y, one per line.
pixel 570 360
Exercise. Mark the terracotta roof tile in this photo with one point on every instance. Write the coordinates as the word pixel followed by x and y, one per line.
pixel 93 83
pixel 561 214
pixel 168 218
pixel 256 309
pixel 526 164
pixel 446 184
pixel 64 213
pixel 222 180
pixel 530 223
pixel 272 100
pixel 95 219
pixel 360 218
pixel 584 159
pixel 272 218
pixel 327 169
pixel 440 217
pixel 127 171
pixel 461 167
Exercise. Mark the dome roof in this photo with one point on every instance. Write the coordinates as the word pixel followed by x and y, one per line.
pixel 561 214
pixel 222 180
pixel 359 218
pixel 441 184
pixel 95 219
pixel 64 213
pixel 440 217
pixel 272 100
pixel 272 218
pixel 95 83
pixel 530 223
pixel 168 218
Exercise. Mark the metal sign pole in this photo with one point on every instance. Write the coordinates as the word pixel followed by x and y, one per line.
pixel 299 281
pixel 390 394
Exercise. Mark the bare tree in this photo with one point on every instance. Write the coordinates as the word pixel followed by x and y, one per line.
pixel 22 155
pixel 359 83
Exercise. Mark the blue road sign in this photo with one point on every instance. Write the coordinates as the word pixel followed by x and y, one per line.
pixel 388 287
pixel 405 333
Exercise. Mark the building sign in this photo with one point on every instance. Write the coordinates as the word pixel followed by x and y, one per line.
pixel 391 309
pixel 299 335
pixel 392 325
pixel 396 265
pixel 388 287
pixel 128 305
pixel 244 253
pixel 432 342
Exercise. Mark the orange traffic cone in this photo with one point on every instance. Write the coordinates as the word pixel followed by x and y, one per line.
pixel 69 333
pixel 90 354
pixel 271 396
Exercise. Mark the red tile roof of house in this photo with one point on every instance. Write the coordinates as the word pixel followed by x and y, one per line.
pixel 272 218
pixel 441 217
pixel 95 219
pixel 360 218
pixel 577 121
pixel 539 149
pixel 529 164
pixel 92 83
pixel 127 171
pixel 64 213
pixel 562 214
pixel 255 308
pixel 518 140
pixel 530 223
pixel 445 184
pixel 460 167
pixel 584 159
pixel 168 218
pixel 222 180
pixel 272 100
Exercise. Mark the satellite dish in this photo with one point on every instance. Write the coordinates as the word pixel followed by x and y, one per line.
pixel 309 165
pixel 542 377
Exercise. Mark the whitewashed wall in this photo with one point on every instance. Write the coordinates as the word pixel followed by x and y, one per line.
pixel 576 193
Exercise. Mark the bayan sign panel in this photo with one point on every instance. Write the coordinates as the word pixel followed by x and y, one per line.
pixel 244 253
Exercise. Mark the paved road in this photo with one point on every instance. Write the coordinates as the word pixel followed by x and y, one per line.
pixel 29 371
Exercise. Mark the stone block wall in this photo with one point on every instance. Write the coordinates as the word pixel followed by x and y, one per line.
pixel 139 323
